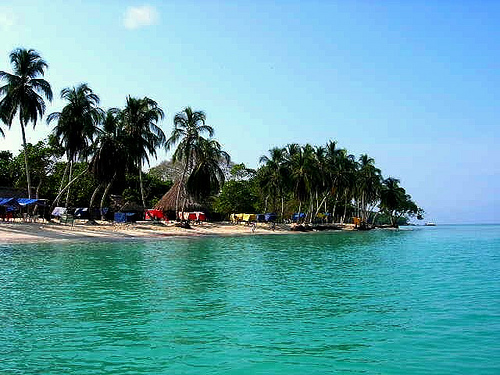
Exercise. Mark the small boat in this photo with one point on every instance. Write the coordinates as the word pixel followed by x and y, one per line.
pixel 430 224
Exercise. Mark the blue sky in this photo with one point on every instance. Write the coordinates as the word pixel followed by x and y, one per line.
pixel 413 84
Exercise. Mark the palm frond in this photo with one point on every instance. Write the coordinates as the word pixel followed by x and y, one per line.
pixel 42 86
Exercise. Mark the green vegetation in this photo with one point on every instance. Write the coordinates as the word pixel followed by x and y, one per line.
pixel 104 152
pixel 76 127
pixel 327 180
pixel 240 194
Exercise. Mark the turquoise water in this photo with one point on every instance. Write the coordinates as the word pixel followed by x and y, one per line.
pixel 418 301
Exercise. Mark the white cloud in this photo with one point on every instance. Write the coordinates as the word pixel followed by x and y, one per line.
pixel 136 17
pixel 7 18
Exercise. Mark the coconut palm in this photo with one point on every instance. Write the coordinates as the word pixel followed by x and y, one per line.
pixel 207 176
pixel 273 175
pixel 189 127
pixel 321 180
pixel 24 92
pixel 330 160
pixel 110 158
pixel 140 125
pixel 392 197
pixel 345 177
pixel 76 125
pixel 368 186
pixel 300 162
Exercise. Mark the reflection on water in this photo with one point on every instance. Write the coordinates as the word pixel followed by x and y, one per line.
pixel 376 302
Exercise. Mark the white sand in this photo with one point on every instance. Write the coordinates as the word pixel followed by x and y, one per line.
pixel 17 232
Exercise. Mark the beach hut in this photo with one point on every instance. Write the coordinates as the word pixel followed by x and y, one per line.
pixel 168 203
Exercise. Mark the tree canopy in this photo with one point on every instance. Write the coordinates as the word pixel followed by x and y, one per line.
pixel 109 148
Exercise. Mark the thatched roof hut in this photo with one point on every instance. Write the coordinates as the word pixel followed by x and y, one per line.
pixel 168 201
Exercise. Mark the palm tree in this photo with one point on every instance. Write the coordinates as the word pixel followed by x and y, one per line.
pixel 321 179
pixel 273 175
pixel 368 186
pixel 144 136
pixel 301 165
pixel 189 127
pixel 24 92
pixel 110 158
pixel 76 124
pixel 392 197
pixel 207 176
pixel 330 159
pixel 345 177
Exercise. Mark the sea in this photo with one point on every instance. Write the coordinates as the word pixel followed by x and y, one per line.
pixel 419 300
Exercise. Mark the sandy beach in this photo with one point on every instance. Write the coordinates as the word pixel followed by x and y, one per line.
pixel 21 232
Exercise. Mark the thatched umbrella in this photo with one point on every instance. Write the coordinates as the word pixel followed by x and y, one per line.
pixel 168 201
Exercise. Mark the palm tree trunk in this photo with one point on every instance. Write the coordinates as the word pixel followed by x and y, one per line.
pixel 320 204
pixel 334 207
pixel 311 209
pixel 317 202
pixel 282 207
pixel 28 178
pixel 181 186
pixel 142 186
pixel 61 185
pixel 66 188
pixel 69 179
pixel 105 194
pixel 91 204
pixel 345 211
pixel 361 207
pixel 37 192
